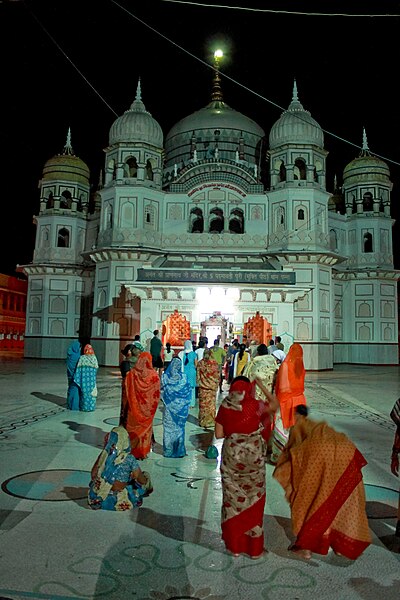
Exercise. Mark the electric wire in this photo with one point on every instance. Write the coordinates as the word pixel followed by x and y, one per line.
pixel 280 12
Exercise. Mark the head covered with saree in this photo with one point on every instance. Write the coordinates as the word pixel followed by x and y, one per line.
pixel 289 386
pixel 115 463
pixel 88 349
pixel 175 382
pixel 142 386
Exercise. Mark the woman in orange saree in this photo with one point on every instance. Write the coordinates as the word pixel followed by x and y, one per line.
pixel 320 471
pixel 242 469
pixel 208 382
pixel 289 389
pixel 142 388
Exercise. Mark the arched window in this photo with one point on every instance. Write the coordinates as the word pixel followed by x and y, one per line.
pixel 66 199
pixel 50 201
pixel 300 214
pixel 63 238
pixel 282 172
pixel 367 242
pixel 236 221
pixel 196 220
pixel 368 203
pixel 217 220
pixel 332 239
pixel 299 171
pixel 149 170
pixel 149 216
pixel 132 167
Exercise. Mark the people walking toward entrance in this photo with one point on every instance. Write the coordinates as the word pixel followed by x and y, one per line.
pixel 278 343
pixel 208 378
pixel 131 355
pixel 176 394
pixel 142 386
pixel 73 356
pixel 272 347
pixel 262 367
pixel 117 481
pixel 289 389
pixel 320 471
pixel 85 377
pixel 218 354
pixel 136 342
pixel 155 351
pixel 394 466
pixel 231 356
pixel 242 469
pixel 240 360
pixel 189 364
pixel 168 355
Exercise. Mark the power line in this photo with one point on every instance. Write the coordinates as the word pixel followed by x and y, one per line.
pixel 279 12
pixel 238 83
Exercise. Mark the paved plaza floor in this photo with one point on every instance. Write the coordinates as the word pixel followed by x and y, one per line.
pixel 52 546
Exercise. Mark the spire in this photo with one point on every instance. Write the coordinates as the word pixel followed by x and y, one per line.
pixel 365 150
pixel 216 93
pixel 137 105
pixel 138 91
pixel 68 147
pixel 295 97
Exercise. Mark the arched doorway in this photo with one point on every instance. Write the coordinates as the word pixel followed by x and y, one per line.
pixel 215 326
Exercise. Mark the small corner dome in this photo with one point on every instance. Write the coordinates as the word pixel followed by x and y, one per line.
pixel 296 126
pixel 66 166
pixel 366 167
pixel 136 125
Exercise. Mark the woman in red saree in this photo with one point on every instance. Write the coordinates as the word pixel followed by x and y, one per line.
pixel 289 389
pixel 320 471
pixel 142 388
pixel 208 382
pixel 242 469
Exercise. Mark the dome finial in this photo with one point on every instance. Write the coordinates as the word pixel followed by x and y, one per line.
pixel 68 147
pixel 138 90
pixel 216 94
pixel 295 94
pixel 365 150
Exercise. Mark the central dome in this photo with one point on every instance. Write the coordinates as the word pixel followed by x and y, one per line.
pixel 215 125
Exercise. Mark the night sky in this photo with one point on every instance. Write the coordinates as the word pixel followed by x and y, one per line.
pixel 346 70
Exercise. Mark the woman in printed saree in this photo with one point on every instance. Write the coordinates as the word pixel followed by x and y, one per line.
pixel 394 465
pixel 117 482
pixel 189 364
pixel 208 382
pixel 142 387
pixel 320 471
pixel 85 378
pixel 289 389
pixel 73 356
pixel 242 469
pixel 176 394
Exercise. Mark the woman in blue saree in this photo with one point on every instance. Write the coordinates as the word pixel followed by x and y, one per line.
pixel 117 482
pixel 73 356
pixel 176 394
pixel 85 378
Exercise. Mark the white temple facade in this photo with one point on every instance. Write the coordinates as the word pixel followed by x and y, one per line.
pixel 216 229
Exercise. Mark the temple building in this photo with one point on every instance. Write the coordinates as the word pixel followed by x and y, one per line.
pixel 216 229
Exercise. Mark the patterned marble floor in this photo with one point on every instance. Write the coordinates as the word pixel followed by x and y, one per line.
pixel 54 547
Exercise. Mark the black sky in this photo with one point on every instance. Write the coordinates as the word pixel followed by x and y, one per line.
pixel 346 70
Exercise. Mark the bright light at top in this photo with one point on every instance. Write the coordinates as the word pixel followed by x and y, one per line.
pixel 218 54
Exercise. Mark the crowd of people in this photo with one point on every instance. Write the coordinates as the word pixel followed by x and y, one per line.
pixel 262 419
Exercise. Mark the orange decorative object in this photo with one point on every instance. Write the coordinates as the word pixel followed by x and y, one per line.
pixel 258 329
pixel 175 329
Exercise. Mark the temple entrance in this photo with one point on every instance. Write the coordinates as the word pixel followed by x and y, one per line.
pixel 215 327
